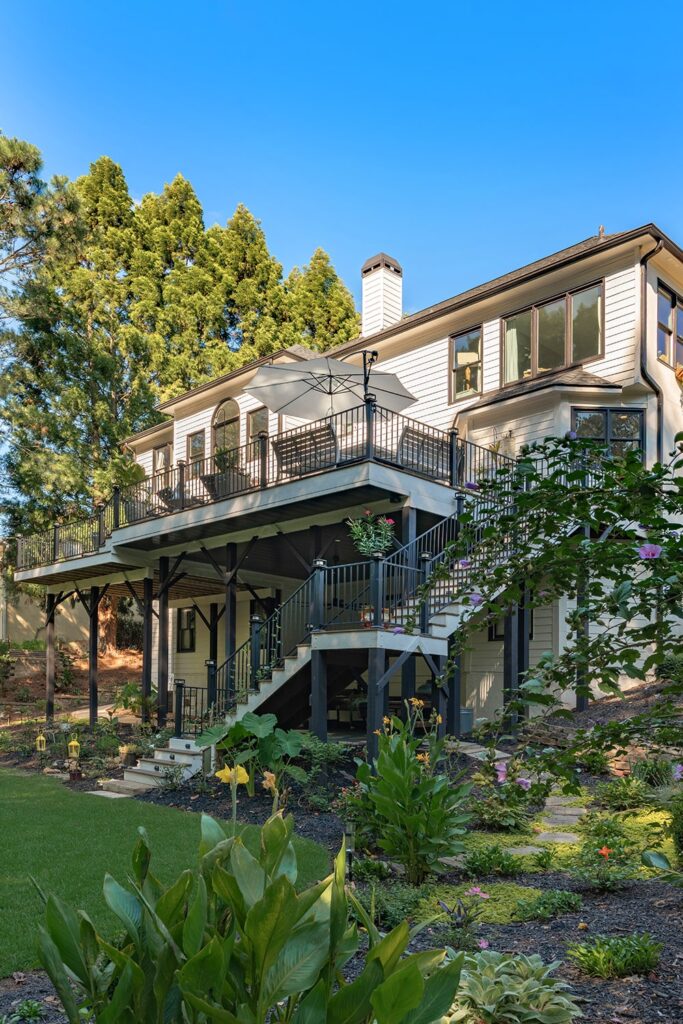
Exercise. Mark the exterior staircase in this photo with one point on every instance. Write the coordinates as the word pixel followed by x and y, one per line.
pixel 180 755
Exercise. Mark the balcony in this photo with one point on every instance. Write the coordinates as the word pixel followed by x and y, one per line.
pixel 367 433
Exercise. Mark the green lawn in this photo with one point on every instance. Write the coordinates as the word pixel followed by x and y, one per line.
pixel 68 840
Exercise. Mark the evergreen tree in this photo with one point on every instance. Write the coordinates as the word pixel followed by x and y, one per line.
pixel 322 308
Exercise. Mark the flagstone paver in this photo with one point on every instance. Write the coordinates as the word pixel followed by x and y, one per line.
pixel 557 837
pixel 524 851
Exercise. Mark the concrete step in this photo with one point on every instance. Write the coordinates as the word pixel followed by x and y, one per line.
pixel 176 744
pixel 170 756
pixel 124 787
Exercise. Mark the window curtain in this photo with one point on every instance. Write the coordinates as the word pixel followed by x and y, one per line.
pixel 511 355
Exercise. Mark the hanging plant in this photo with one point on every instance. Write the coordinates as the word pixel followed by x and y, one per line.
pixel 372 533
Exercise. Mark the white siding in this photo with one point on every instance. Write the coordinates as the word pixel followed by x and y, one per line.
pixel 621 328
pixel 146 460
pixel 424 371
pixel 491 355
pixel 526 427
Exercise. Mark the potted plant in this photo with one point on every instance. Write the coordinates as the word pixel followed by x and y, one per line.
pixel 372 533
pixel 227 477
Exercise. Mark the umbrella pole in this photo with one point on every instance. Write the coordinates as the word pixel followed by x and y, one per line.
pixel 370 357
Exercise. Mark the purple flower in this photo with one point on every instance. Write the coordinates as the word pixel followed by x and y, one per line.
pixel 398 629
pixel 464 563
pixel 678 772
pixel 471 485
pixel 571 435
pixel 476 891
pixel 502 772
pixel 476 600
pixel 523 784
pixel 649 550
pixel 483 944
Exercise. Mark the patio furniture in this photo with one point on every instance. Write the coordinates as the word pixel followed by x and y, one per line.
pixel 226 482
pixel 173 501
pixel 306 451
pixel 423 452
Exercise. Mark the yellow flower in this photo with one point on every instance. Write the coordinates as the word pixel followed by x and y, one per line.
pixel 386 720
pixel 377 732
pixel 269 781
pixel 424 758
pixel 439 719
pixel 416 702
pixel 237 775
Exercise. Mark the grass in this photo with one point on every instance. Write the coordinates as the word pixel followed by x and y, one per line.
pixel 68 840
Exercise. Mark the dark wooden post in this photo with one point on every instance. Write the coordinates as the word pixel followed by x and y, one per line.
pixel 211 688
pixel 370 426
pixel 376 668
pixel 181 483
pixel 317 610
pixel 263 458
pixel 162 656
pixel 178 702
pixel 51 607
pixel 213 632
pixel 511 658
pixel 101 529
pixel 524 630
pixel 55 543
pixel 116 507
pixel 439 695
pixel 318 723
pixel 453 723
pixel 453 458
pixel 426 558
pixel 408 535
pixel 147 613
pixel 254 650
pixel 93 644
pixel 230 616
pixel 377 588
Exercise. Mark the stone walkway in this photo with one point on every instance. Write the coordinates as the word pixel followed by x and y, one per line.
pixel 559 810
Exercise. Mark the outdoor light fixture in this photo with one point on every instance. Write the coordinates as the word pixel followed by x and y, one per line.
pixel 41 744
pixel 74 748
pixel 350 846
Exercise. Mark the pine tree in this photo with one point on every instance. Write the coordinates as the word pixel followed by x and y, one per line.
pixel 322 308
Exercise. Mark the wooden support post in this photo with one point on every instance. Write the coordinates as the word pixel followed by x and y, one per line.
pixel 370 426
pixel 377 588
pixel 524 631
pixel 230 618
pixel 213 632
pixel 318 723
pixel 162 656
pixel 93 645
pixel 255 651
pixel 376 669
pixel 511 658
pixel 178 702
pixel 453 723
pixel 408 535
pixel 440 696
pixel 147 614
pixel 51 607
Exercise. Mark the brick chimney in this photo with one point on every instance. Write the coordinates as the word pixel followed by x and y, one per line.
pixel 382 303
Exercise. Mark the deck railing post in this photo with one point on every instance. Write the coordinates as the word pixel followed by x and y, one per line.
pixel 178 703
pixel 181 484
pixel 101 532
pixel 55 543
pixel 263 458
pixel 377 587
pixel 211 692
pixel 370 409
pixel 116 503
pixel 255 651
pixel 318 594
pixel 453 457
pixel 426 557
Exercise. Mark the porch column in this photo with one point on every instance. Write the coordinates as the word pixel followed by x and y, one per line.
pixel 524 629
pixel 213 632
pixel 453 724
pixel 581 679
pixel 162 654
pixel 376 668
pixel 318 725
pixel 51 606
pixel 93 641
pixel 147 597
pixel 408 671
pixel 439 699
pixel 511 657
pixel 230 623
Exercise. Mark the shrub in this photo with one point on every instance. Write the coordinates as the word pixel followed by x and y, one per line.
pixel 491 860
pixel 500 989
pixel 549 904
pixel 594 761
pixel 232 940
pixel 605 859
pixel 388 905
pixel 505 798
pixel 366 870
pixel 653 771
pixel 622 794
pixel 671 668
pixel 417 814
pixel 676 809
pixel 616 957
pixel 28 1010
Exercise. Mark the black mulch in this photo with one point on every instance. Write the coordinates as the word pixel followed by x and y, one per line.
pixel 32 985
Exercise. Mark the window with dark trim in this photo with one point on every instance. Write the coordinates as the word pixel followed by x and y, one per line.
pixel 161 459
pixel 257 422
pixel 226 426
pixel 496 629
pixel 196 450
pixel 550 335
pixel 669 327
pixel 466 364
pixel 187 630
pixel 620 430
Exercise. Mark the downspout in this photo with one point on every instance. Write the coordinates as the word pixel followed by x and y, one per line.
pixel 643 348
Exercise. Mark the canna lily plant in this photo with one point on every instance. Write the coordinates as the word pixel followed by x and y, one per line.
pixel 234 777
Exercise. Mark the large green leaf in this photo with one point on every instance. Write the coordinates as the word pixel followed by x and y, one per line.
pixel 170 905
pixel 195 922
pixel 351 1003
pixel 49 956
pixel 258 725
pixel 400 993
pixel 210 737
pixel 215 1014
pixel 391 948
pixel 248 874
pixel 211 835
pixel 269 923
pixel 119 1008
pixel 124 905
pixel 203 973
pixel 439 994
pixel 312 1010
pixel 298 965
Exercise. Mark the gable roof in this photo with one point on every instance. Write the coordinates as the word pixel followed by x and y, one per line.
pixel 574 377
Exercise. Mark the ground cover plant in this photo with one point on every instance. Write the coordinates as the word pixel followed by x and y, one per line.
pixel 67 840
pixel 616 956
pixel 547 905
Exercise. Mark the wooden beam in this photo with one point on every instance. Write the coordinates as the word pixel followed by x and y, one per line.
pixel 50 658
pixel 376 669
pixel 295 551
pixel 318 723
pixel 147 610
pixel 162 655
pixel 93 647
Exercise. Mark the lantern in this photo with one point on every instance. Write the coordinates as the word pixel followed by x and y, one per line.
pixel 74 748
pixel 41 744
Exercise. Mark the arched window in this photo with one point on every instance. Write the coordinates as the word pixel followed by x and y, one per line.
pixel 226 426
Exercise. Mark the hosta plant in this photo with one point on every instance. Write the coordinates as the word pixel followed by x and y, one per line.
pixel 417 812
pixel 500 989
pixel 623 794
pixel 232 942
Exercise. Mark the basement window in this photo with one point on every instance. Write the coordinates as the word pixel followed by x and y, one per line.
pixel 187 630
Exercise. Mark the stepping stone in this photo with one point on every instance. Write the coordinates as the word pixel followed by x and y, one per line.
pixel 561 819
pixel 453 862
pixel 109 796
pixel 524 851
pixel 557 837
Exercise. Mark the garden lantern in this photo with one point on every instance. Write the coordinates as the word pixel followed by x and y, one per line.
pixel 350 844
pixel 74 748
pixel 41 744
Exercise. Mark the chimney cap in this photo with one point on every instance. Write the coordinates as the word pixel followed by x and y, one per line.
pixel 381 260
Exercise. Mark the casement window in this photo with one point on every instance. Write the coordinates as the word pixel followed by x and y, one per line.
pixel 161 459
pixel 619 430
pixel 226 426
pixel 196 450
pixel 466 364
pixel 186 631
pixel 550 335
pixel 257 422
pixel 669 328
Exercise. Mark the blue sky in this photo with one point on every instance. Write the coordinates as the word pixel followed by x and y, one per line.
pixel 463 139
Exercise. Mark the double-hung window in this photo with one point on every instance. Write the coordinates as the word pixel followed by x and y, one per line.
pixel 466 364
pixel 669 328
pixel 187 630
pixel 619 430
pixel 257 422
pixel 196 444
pixel 550 335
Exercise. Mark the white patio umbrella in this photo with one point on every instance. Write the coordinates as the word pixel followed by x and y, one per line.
pixel 323 386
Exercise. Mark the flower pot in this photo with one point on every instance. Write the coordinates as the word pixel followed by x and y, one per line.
pixel 75 775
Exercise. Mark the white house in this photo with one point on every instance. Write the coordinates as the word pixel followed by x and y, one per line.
pixel 235 544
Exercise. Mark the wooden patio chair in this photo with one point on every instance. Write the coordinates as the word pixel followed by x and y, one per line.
pixel 306 451
pixel 423 453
